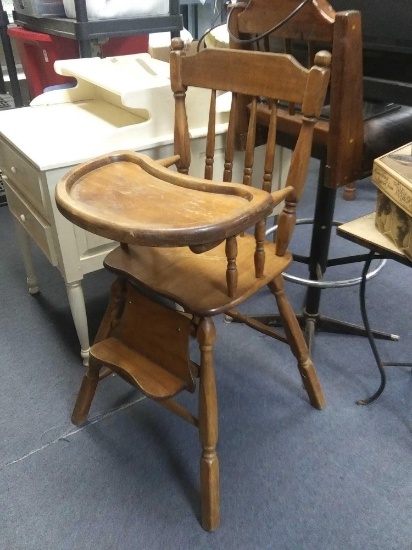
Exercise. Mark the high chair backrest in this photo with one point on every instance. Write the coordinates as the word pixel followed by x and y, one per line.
pixel 266 78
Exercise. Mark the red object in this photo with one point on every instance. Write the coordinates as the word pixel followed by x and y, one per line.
pixel 125 45
pixel 38 52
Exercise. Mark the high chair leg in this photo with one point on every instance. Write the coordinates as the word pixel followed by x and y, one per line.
pixel 113 310
pixel 91 378
pixel 85 395
pixel 297 344
pixel 208 428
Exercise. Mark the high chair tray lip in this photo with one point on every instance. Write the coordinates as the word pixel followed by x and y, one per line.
pixel 129 197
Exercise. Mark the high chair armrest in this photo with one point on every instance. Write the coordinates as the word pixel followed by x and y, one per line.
pixel 169 161
pixel 281 194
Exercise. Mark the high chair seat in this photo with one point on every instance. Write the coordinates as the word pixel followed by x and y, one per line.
pixel 162 269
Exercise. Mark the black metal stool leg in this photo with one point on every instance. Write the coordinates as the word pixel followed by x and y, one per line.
pixel 369 334
pixel 380 364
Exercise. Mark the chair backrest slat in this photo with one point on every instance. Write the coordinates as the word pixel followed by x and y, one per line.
pixel 270 149
pixel 211 137
pixel 230 141
pixel 250 145
pixel 264 67
pixel 314 21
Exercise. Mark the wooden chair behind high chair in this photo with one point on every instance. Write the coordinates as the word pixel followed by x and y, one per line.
pixel 338 138
pixel 345 140
pixel 185 239
pixel 352 131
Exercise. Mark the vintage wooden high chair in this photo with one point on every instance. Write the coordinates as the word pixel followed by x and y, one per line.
pixel 186 239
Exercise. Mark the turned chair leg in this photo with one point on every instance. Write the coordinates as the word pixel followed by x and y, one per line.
pixel 113 310
pixel 297 344
pixel 86 394
pixel 208 428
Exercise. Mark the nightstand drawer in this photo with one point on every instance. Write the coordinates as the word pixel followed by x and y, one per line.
pixel 23 175
pixel 35 225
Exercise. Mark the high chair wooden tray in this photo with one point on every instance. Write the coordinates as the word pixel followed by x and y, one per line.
pixel 131 198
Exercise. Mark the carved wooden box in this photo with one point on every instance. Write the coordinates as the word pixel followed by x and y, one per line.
pixel 392 175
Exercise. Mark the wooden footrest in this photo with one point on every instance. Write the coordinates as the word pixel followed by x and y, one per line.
pixel 153 380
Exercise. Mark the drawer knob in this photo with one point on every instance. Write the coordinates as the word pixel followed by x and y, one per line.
pixel 13 169
pixel 23 218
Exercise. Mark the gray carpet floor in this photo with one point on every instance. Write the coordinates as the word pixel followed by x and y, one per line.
pixel 292 478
